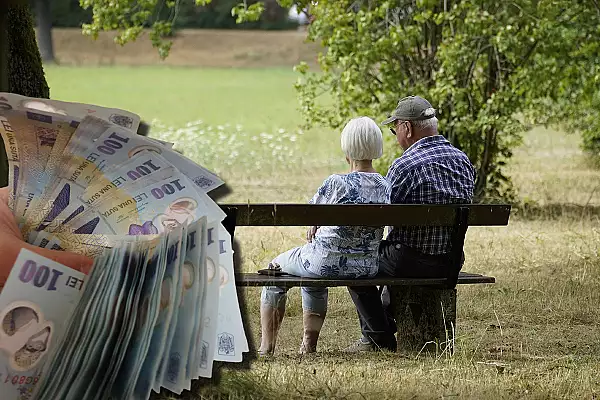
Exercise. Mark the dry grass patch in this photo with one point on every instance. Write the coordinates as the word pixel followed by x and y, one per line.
pixel 199 48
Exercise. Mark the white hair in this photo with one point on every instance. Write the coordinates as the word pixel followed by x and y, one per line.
pixel 362 139
pixel 426 124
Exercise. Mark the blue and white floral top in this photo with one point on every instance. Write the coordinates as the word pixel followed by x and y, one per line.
pixel 346 251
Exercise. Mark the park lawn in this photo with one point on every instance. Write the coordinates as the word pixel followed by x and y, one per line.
pixel 259 99
pixel 535 334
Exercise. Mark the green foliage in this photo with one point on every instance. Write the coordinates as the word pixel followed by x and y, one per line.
pixel 481 63
pixel 190 15
pixel 217 14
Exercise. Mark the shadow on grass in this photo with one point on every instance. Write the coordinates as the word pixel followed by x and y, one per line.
pixel 230 386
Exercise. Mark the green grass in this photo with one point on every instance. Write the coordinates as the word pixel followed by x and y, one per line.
pixel 259 99
pixel 540 321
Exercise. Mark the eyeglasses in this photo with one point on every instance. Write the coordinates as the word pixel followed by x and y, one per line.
pixel 394 131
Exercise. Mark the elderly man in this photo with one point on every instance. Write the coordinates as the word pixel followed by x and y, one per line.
pixel 430 171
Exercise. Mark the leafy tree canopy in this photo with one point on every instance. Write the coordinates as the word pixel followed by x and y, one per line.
pixel 490 67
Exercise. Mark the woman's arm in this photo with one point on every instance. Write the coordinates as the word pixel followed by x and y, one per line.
pixel 310 234
pixel 326 194
pixel 11 243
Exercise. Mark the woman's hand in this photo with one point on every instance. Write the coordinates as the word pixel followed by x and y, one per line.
pixel 11 243
pixel 310 234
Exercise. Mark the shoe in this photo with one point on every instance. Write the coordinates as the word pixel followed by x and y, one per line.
pixel 312 327
pixel 361 345
pixel 270 321
pixel 365 345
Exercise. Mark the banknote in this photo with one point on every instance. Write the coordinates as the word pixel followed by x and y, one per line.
pixel 147 314
pixel 92 245
pixel 165 362
pixel 231 338
pixel 136 168
pixel 98 296
pixel 74 111
pixel 141 170
pixel 14 161
pixel 175 368
pixel 197 246
pixel 64 159
pixel 35 302
pixel 36 137
pixel 142 323
pixel 92 147
pixel 204 179
pixel 169 289
pixel 124 325
pixel 53 163
pixel 102 346
pixel 162 142
pixel 113 146
pixel 159 306
pixel 151 210
pixel 121 195
pixel 117 116
pixel 210 309
pixel 96 362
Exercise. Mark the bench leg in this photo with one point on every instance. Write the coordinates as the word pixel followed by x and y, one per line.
pixel 426 318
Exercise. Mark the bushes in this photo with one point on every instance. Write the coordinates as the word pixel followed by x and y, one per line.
pixel 216 15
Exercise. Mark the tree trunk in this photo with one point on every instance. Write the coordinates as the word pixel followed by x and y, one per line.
pixel 44 25
pixel 26 74
pixel 426 319
pixel 21 70
pixel 3 84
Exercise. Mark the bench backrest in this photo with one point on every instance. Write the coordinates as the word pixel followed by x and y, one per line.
pixel 366 214
pixel 458 216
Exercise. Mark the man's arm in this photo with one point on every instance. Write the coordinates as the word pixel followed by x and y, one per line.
pixel 400 178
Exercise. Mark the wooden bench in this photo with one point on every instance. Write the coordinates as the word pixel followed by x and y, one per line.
pixel 425 309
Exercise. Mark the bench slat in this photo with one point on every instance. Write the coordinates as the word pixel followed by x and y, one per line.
pixel 255 279
pixel 366 214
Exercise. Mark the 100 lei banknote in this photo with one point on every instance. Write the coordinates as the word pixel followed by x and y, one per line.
pixel 117 116
pixel 34 306
pixel 87 160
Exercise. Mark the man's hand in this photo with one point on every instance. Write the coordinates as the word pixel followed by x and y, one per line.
pixel 310 234
pixel 11 243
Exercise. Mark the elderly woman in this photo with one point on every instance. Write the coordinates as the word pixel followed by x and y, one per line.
pixel 331 251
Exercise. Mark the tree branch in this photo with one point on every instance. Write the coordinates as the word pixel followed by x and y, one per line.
pixel 597 6
pixel 500 83
pixel 525 58
pixel 471 69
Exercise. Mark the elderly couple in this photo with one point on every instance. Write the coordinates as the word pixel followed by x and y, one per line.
pixel 430 171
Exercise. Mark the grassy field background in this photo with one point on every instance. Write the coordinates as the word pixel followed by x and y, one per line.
pixel 535 334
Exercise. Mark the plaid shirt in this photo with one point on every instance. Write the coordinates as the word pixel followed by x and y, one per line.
pixel 431 171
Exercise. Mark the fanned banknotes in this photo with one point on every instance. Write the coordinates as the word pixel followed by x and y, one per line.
pixel 159 306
